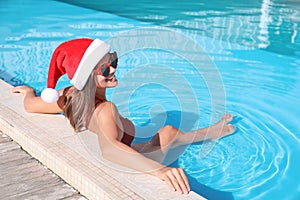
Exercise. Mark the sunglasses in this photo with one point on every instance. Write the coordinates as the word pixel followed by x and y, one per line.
pixel 104 69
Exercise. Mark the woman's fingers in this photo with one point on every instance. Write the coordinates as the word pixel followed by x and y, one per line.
pixel 185 179
pixel 15 90
pixel 18 89
pixel 180 181
pixel 177 180
pixel 173 177
pixel 169 183
pixel 21 89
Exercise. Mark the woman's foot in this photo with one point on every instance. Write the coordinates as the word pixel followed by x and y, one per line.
pixel 221 128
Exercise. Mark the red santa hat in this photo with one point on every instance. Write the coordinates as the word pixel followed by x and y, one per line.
pixel 76 58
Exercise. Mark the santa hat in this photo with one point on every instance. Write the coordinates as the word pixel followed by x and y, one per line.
pixel 76 58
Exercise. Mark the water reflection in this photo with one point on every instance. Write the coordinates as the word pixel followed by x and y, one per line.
pixel 267 24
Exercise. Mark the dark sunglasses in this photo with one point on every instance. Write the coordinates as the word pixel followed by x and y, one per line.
pixel 104 69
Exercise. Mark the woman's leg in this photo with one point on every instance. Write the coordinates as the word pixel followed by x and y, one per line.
pixel 170 136
pixel 213 132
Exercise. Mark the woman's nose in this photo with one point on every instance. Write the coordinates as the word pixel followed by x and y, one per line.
pixel 112 69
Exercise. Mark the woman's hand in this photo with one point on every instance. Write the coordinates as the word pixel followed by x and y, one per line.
pixel 175 178
pixel 23 90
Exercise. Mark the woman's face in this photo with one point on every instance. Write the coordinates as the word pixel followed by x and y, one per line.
pixel 105 71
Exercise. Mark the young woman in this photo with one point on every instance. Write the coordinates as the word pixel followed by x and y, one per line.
pixel 91 68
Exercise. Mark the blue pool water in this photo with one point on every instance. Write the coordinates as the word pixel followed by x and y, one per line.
pixel 241 58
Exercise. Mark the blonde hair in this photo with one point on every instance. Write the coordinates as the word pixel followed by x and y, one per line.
pixel 80 105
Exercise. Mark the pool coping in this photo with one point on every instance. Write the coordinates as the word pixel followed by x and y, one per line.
pixel 51 140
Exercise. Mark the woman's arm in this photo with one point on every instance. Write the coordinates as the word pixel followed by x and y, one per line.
pixel 118 152
pixel 35 104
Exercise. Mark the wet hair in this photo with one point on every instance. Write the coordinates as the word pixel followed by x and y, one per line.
pixel 79 105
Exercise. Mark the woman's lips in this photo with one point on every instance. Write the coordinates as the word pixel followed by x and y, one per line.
pixel 112 78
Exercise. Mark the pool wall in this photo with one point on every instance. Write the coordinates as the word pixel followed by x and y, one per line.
pixel 51 140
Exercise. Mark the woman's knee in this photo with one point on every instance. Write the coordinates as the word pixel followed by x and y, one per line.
pixel 167 135
pixel 169 128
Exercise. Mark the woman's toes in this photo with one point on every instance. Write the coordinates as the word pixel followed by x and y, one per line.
pixel 227 117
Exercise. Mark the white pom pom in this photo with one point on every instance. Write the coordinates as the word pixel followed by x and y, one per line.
pixel 49 95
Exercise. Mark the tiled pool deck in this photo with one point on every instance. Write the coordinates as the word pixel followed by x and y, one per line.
pixel 75 158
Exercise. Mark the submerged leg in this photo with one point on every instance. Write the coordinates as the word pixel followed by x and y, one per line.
pixel 213 132
pixel 170 137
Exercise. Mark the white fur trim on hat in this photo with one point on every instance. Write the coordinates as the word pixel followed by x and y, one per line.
pixel 93 54
pixel 49 95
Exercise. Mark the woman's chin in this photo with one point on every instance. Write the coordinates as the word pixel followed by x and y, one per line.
pixel 108 82
pixel 111 84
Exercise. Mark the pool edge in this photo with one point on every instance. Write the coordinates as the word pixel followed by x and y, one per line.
pixel 90 180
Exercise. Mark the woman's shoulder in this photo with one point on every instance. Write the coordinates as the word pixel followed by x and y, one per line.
pixel 105 105
pixel 106 108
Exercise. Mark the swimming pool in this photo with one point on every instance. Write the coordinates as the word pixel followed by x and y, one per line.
pixel 254 48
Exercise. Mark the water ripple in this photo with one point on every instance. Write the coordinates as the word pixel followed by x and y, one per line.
pixel 247 163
